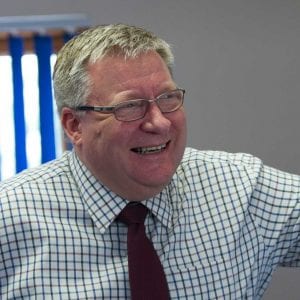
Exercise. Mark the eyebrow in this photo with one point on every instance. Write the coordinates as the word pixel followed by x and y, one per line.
pixel 132 95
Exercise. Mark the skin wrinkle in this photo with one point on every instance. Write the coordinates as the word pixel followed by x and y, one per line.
pixel 121 85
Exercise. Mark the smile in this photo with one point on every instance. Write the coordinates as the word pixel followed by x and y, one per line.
pixel 149 150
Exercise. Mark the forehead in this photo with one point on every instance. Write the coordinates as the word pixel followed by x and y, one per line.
pixel 113 74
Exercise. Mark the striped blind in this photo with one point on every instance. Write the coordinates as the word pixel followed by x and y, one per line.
pixel 41 42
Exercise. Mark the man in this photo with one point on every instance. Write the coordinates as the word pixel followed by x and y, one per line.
pixel 220 223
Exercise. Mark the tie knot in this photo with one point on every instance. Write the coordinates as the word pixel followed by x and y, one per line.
pixel 133 213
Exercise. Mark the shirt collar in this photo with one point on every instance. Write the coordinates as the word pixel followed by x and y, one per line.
pixel 160 206
pixel 104 205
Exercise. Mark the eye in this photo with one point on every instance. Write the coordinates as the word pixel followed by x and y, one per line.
pixel 168 95
pixel 164 96
pixel 128 105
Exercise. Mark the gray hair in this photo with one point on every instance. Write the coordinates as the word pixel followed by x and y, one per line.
pixel 70 78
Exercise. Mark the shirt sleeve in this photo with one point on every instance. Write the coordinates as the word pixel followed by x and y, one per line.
pixel 275 205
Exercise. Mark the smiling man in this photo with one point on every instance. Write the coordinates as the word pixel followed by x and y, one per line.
pixel 122 148
pixel 131 212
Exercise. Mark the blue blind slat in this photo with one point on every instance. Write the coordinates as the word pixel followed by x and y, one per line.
pixel 43 49
pixel 16 52
pixel 67 36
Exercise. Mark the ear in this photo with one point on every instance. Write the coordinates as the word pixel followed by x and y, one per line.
pixel 71 125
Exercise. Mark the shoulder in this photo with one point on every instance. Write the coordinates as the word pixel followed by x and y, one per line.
pixel 212 160
pixel 42 175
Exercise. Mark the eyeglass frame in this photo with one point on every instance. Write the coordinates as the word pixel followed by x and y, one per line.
pixel 111 109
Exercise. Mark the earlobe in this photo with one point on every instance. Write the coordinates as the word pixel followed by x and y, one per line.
pixel 71 125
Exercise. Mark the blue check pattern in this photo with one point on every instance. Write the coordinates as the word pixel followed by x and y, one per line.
pixel 220 228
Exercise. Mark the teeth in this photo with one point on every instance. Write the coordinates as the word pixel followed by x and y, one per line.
pixel 146 150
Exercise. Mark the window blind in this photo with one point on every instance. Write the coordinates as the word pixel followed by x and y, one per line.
pixel 42 36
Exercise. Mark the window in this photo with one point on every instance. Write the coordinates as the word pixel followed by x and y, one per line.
pixel 31 114
pixel 27 56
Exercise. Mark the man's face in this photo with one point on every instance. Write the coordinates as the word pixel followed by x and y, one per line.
pixel 108 147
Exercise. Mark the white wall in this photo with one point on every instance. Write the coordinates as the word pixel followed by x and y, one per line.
pixel 239 62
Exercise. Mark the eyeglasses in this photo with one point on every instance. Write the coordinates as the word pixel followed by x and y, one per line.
pixel 132 110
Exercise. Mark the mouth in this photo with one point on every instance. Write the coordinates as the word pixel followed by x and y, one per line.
pixel 150 150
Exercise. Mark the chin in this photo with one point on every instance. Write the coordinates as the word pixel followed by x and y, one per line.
pixel 155 181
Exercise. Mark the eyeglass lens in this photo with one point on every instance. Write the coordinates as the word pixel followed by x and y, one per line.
pixel 136 109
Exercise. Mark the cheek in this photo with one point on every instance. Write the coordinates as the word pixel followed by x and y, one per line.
pixel 181 137
pixel 88 136
pixel 179 123
pixel 110 136
pixel 183 123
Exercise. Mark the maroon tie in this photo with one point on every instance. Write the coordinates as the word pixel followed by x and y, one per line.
pixel 146 274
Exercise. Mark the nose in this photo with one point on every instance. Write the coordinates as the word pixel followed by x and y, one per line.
pixel 155 121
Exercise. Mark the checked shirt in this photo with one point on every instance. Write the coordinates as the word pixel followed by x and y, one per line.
pixel 221 227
